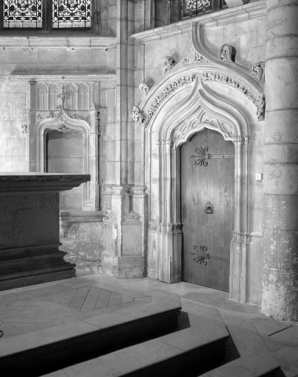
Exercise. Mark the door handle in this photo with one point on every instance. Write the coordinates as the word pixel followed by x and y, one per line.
pixel 209 209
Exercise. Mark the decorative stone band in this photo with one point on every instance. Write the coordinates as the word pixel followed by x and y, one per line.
pixel 140 118
pixel 259 101
pixel 16 182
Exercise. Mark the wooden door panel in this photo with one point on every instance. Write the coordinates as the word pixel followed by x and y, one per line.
pixel 207 176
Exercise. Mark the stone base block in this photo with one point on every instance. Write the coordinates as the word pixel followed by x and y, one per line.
pixel 20 267
pixel 128 267
pixel 131 267
pixel 81 234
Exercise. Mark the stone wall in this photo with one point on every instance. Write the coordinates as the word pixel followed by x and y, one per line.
pixel 245 29
pixel 76 56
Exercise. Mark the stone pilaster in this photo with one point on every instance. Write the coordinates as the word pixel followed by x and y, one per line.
pixel 280 262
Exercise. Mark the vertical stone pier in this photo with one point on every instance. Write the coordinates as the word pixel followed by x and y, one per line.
pixel 280 262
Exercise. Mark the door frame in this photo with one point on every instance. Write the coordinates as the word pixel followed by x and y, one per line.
pixel 192 108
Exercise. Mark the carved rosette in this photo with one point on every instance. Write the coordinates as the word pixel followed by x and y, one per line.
pixel 257 72
pixel 227 53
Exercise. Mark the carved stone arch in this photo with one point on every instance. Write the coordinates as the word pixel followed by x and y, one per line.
pixel 84 94
pixel 53 92
pixel 72 91
pixel 43 96
pixel 182 109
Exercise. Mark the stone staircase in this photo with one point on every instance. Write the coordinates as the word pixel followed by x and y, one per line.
pixel 145 338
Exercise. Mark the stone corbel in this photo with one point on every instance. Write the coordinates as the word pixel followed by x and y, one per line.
pixel 144 88
pixel 227 53
pixel 137 116
pixel 257 72
pixel 168 63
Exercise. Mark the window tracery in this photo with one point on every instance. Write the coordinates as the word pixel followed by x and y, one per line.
pixel 198 7
pixel 59 14
pixel 22 13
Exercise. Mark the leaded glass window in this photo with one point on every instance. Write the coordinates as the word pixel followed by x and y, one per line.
pixel 46 14
pixel 22 13
pixel 71 13
pixel 198 7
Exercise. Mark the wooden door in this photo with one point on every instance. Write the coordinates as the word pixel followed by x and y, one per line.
pixel 207 198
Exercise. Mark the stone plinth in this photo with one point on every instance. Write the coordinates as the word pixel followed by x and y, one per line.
pixel 29 228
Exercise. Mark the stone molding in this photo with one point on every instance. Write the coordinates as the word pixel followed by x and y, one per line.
pixel 143 114
pixel 68 41
pixel 190 112
pixel 201 61
pixel 41 182
pixel 226 16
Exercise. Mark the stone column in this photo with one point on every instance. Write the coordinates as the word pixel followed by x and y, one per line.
pixel 280 261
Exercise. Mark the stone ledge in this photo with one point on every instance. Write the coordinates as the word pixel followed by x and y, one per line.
pixel 41 182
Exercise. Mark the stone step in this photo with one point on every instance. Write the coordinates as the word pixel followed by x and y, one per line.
pixel 42 351
pixel 187 352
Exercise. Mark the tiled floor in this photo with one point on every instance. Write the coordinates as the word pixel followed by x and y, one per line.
pixel 28 309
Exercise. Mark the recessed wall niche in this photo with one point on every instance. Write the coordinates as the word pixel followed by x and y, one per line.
pixel 64 154
pixel 64 138
pixel 64 132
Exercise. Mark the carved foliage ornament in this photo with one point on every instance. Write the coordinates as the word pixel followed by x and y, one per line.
pixel 193 57
pixel 200 254
pixel 176 84
pixel 168 63
pixel 257 71
pixel 202 156
pixel 137 116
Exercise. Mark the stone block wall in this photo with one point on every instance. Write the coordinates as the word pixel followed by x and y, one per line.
pixel 245 29
pixel 34 56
